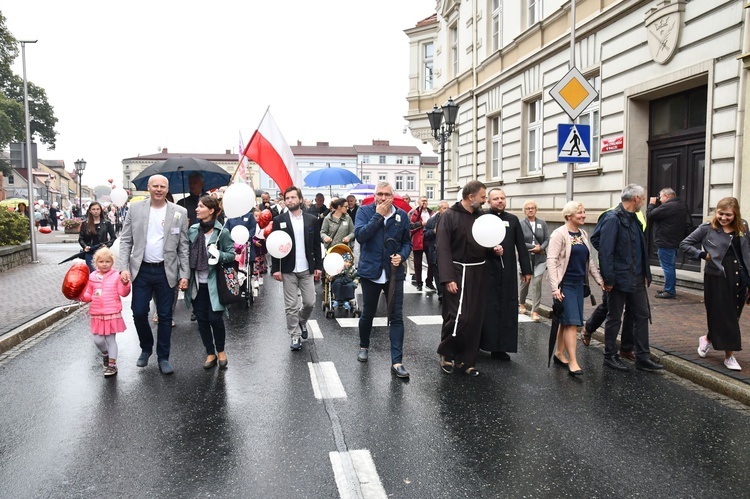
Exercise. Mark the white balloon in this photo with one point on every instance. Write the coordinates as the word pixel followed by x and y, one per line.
pixel 240 234
pixel 460 195
pixel 488 230
pixel 118 196
pixel 116 248
pixel 333 264
pixel 279 244
pixel 239 198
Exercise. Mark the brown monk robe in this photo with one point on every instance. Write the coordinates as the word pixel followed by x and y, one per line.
pixel 455 243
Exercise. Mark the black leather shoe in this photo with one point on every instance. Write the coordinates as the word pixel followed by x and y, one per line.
pixel 500 355
pixel 429 285
pixel 576 373
pixel 616 363
pixel 648 365
pixel 557 361
pixel 303 328
pixel 419 287
pixel 193 317
pixel 665 295
pixel 400 371
pixel 363 354
pixel 210 364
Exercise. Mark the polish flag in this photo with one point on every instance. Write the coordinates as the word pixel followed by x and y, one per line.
pixel 268 148
pixel 242 161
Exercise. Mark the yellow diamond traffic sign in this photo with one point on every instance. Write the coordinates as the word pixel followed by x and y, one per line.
pixel 574 93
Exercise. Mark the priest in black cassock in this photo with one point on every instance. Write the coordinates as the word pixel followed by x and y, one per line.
pixel 500 328
pixel 461 264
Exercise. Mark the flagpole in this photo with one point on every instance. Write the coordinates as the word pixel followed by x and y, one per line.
pixel 231 179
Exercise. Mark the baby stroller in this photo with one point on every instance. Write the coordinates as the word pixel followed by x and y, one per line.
pixel 339 291
pixel 250 279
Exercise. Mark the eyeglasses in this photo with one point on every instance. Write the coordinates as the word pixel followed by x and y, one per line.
pixel 386 194
pixel 531 208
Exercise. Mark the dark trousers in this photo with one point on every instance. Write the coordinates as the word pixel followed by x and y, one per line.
pixel 418 267
pixel 370 297
pixel 53 223
pixel 152 281
pixel 600 314
pixel 637 303
pixel 210 323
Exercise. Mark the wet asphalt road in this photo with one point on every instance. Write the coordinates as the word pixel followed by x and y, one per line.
pixel 257 430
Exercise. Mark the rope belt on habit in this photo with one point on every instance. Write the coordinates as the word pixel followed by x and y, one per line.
pixel 461 296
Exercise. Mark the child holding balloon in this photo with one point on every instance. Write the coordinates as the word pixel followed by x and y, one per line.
pixel 104 292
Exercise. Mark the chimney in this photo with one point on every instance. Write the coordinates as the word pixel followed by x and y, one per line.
pixel 380 142
pixel 299 142
pixel 322 144
pixel 164 150
pixel 228 151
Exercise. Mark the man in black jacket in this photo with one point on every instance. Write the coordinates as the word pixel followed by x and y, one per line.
pixel 298 268
pixel 668 218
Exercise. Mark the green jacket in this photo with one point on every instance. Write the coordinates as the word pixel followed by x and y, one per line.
pixel 224 243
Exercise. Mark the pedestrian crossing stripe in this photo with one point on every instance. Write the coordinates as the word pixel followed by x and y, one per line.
pixel 573 143
pixel 419 320
pixel 314 328
pixel 325 380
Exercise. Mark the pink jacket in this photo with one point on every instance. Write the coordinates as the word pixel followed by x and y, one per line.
pixel 104 292
pixel 558 256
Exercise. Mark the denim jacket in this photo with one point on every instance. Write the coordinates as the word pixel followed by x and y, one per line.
pixel 372 235
pixel 716 243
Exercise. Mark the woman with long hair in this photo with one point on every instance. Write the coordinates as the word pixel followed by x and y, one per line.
pixel 338 226
pixel 569 263
pixel 210 246
pixel 96 232
pixel 726 250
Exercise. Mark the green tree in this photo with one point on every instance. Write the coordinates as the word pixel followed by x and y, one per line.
pixel 12 124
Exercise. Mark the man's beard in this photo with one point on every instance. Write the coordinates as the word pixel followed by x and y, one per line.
pixel 293 207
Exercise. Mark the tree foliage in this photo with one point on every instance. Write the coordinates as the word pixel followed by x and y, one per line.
pixel 12 123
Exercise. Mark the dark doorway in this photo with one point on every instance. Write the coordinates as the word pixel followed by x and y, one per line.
pixel 677 145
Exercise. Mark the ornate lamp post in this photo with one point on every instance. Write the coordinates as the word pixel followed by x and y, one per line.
pixel 441 131
pixel 46 184
pixel 80 167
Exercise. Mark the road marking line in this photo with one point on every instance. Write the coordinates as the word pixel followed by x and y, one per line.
pixel 354 322
pixel 368 481
pixel 524 318
pixel 325 380
pixel 315 329
pixel 424 320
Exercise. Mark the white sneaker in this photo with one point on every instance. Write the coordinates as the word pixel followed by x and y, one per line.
pixel 731 364
pixel 703 346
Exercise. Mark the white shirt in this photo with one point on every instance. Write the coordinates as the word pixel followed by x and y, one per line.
pixel 298 227
pixel 382 278
pixel 155 235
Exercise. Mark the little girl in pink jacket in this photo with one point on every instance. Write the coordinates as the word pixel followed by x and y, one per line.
pixel 103 292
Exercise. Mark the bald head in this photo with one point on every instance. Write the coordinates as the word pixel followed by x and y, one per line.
pixel 158 187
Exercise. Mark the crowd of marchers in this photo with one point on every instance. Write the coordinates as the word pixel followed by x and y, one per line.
pixel 165 247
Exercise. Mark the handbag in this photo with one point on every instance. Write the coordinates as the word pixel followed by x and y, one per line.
pixel 228 283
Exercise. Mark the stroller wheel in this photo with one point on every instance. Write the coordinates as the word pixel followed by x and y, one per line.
pixel 325 306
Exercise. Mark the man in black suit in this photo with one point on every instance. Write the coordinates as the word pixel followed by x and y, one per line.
pixel 298 268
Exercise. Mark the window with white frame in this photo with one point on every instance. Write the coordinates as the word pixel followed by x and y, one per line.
pixel 410 182
pixel 382 177
pixel 381 160
pixel 497 24
pixel 399 160
pixel 430 174
pixel 399 182
pixel 495 148
pixel 365 178
pixel 533 11
pixel 410 160
pixel 365 159
pixel 534 137
pixel 428 56
pixel 429 191
pixel 454 49
pixel 590 116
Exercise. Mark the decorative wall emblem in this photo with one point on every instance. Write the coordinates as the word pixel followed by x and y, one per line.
pixel 663 24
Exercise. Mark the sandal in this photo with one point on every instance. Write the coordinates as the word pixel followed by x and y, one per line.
pixel 468 370
pixel 446 365
pixel 585 337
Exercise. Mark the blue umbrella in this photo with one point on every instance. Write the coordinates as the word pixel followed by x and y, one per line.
pixel 177 171
pixel 331 176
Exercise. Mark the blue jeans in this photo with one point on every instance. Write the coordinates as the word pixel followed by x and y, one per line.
pixel 151 281
pixel 370 296
pixel 667 258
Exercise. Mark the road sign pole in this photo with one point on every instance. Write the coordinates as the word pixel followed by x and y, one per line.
pixel 569 180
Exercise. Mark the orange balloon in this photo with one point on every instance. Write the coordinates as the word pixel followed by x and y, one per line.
pixel 75 280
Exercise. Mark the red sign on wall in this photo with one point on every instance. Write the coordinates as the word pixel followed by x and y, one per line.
pixel 612 144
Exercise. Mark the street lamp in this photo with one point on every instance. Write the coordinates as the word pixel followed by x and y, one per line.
pixel 80 167
pixel 46 184
pixel 441 131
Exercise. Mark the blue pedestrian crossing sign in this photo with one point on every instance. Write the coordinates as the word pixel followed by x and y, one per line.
pixel 573 143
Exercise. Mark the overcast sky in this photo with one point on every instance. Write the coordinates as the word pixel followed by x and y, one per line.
pixel 128 78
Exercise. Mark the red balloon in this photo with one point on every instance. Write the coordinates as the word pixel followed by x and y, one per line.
pixel 268 229
pixel 45 230
pixel 110 180
pixel 265 218
pixel 75 280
